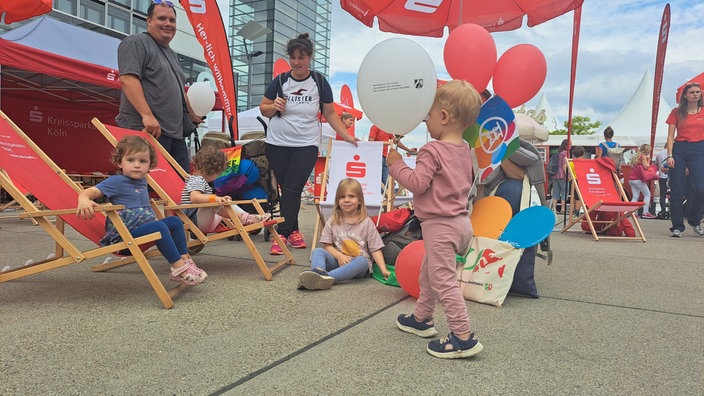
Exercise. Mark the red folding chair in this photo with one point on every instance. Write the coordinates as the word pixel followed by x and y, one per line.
pixel 603 201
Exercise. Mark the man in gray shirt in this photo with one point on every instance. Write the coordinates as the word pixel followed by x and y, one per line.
pixel 152 80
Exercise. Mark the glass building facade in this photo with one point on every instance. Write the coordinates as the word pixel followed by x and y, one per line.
pixel 286 19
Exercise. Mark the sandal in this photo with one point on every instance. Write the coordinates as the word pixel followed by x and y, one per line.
pixel 193 264
pixel 188 274
pixel 248 218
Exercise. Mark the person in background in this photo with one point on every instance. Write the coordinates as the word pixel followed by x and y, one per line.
pixel 638 184
pixel 347 121
pixel 350 241
pixel 559 180
pixel 377 135
pixel 153 98
pixel 294 133
pixel 578 152
pixel 602 150
pixel 685 151
pixel 661 161
pixel 441 183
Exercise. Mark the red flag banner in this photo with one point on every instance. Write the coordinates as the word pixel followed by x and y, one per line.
pixel 659 69
pixel 206 20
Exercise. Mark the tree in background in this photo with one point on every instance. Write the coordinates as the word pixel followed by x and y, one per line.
pixel 580 126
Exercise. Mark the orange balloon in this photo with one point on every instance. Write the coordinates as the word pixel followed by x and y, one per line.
pixel 490 216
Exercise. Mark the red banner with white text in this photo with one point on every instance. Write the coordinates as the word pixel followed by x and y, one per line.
pixel 659 69
pixel 209 29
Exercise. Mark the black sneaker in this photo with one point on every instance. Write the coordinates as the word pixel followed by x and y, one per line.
pixel 409 324
pixel 451 347
pixel 314 281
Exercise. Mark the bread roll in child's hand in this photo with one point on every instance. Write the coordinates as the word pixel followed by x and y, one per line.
pixel 350 248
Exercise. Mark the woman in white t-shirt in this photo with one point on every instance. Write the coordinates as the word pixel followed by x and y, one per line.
pixel 292 102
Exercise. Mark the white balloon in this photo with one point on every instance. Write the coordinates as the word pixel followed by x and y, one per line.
pixel 396 85
pixel 201 97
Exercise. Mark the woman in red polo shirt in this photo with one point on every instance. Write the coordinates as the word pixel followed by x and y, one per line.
pixel 685 150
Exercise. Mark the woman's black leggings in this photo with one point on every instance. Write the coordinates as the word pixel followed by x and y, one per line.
pixel 292 166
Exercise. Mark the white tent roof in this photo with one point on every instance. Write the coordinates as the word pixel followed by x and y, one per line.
pixel 542 114
pixel 550 122
pixel 634 119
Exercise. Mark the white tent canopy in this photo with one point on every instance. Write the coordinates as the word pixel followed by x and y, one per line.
pixel 634 118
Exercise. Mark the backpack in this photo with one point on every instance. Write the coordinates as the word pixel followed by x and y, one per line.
pixel 615 152
pixel 553 164
pixel 317 77
pixel 394 242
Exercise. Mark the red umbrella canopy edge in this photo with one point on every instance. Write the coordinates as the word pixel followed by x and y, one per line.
pixel 430 17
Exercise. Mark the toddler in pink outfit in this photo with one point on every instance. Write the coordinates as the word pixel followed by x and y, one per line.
pixel 441 184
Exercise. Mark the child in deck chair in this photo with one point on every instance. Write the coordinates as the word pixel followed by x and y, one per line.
pixel 350 242
pixel 440 184
pixel 208 164
pixel 134 157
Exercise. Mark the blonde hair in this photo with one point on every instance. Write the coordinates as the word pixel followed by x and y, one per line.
pixel 460 100
pixel 345 115
pixel 644 149
pixel 210 161
pixel 345 186
pixel 133 144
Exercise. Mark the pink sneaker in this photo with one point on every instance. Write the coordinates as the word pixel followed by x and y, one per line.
pixel 275 248
pixel 296 240
pixel 649 215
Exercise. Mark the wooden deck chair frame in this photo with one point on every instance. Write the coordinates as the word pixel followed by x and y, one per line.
pixel 374 208
pixel 46 173
pixel 396 198
pixel 176 174
pixel 618 203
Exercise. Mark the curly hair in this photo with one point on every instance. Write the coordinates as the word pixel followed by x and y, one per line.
pixel 210 161
pixel 133 144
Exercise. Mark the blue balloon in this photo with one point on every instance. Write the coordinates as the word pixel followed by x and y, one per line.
pixel 529 227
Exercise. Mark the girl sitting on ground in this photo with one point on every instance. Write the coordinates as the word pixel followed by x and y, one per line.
pixel 350 241
pixel 208 164
pixel 134 157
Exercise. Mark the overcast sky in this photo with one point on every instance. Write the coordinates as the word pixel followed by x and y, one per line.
pixel 618 42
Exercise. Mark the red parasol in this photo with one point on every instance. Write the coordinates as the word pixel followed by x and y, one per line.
pixel 16 11
pixel 429 18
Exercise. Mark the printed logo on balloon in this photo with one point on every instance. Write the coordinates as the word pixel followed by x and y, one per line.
pixel 392 85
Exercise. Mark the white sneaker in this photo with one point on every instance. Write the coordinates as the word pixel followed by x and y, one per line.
pixel 699 230
pixel 676 234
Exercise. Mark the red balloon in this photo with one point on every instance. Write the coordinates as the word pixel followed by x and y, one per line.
pixel 408 267
pixel 470 55
pixel 519 74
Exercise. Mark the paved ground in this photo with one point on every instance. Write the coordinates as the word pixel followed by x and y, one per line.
pixel 614 317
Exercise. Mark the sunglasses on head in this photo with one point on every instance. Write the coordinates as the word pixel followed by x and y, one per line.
pixel 165 2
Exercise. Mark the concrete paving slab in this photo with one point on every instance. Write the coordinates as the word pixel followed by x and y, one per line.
pixel 614 317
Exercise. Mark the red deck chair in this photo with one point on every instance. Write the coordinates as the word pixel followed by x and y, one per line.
pixel 168 181
pixel 28 165
pixel 598 185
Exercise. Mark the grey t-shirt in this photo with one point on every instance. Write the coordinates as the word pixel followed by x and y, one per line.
pixel 139 55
